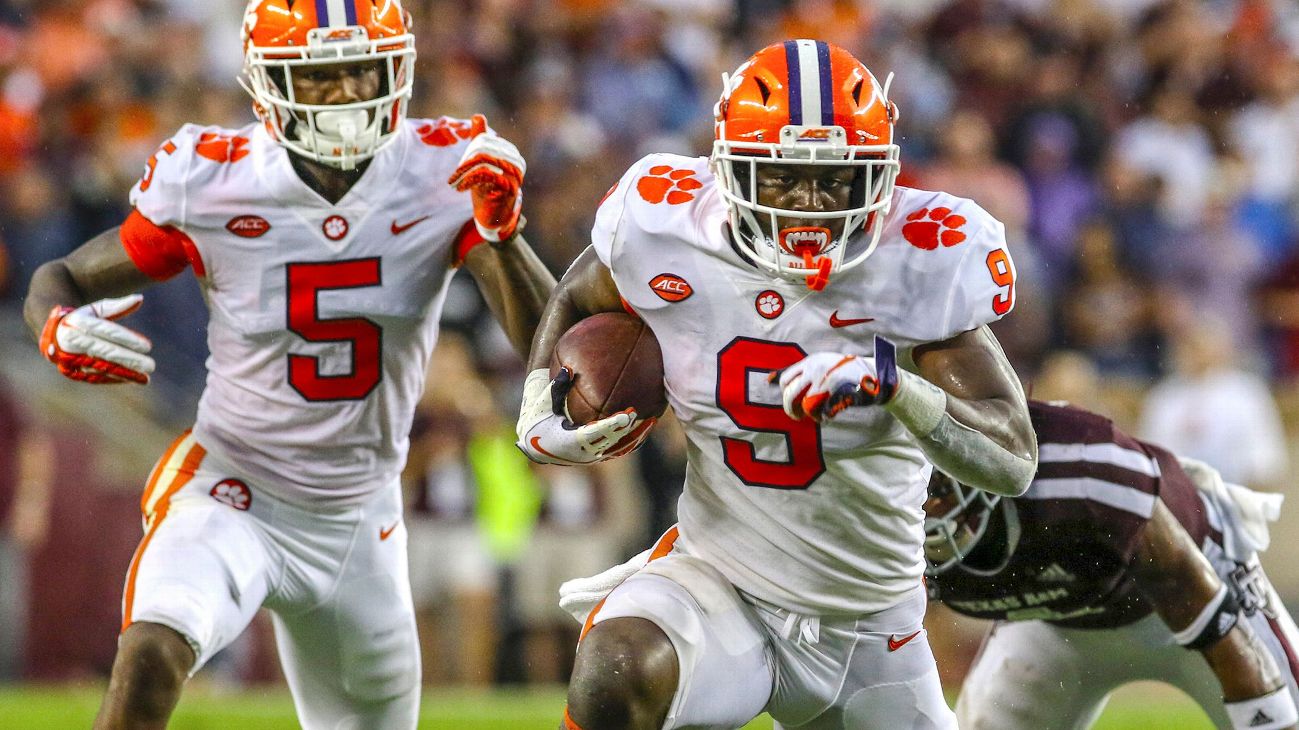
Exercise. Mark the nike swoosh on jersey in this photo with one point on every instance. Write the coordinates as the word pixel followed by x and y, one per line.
pixel 836 322
pixel 895 644
pixel 385 534
pixel 401 228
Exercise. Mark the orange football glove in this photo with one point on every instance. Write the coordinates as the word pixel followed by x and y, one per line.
pixel 492 170
pixel 87 345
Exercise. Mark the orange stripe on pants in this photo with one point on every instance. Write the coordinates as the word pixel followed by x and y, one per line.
pixel 193 458
pixel 661 548
pixel 158 469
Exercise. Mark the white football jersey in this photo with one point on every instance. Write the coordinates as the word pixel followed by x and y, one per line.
pixel 322 316
pixel 819 519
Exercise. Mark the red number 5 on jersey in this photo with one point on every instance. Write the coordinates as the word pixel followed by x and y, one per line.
pixel 305 281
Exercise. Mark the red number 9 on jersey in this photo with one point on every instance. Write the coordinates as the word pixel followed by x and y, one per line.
pixel 735 363
pixel 1002 275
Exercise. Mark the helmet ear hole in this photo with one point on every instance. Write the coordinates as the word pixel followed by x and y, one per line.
pixel 856 92
pixel 763 89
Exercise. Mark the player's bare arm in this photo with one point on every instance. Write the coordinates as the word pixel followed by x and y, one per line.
pixel 983 430
pixel 587 288
pixel 1177 579
pixel 70 311
pixel 99 268
pixel 510 276
pixel 516 286
pixel 964 406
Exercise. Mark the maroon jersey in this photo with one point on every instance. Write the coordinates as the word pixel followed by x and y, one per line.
pixel 1080 524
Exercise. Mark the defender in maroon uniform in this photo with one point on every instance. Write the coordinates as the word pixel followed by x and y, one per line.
pixel 1117 560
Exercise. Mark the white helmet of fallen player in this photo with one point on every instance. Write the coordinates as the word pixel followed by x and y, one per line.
pixel 956 518
pixel 284 38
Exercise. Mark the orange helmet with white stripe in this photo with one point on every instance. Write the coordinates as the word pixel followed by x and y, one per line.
pixel 282 37
pixel 805 102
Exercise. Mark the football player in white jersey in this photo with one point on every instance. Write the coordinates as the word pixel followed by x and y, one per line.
pixel 824 341
pixel 323 238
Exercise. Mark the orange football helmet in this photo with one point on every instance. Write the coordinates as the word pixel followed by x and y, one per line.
pixel 805 102
pixel 281 36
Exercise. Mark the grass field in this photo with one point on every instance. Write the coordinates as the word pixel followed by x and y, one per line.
pixel 1144 707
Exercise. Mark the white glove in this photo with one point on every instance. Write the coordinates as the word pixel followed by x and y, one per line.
pixel 86 344
pixel 823 384
pixel 547 436
pixel 580 596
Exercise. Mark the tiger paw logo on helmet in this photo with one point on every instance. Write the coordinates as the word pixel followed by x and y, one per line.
pixel 928 228
pixel 664 183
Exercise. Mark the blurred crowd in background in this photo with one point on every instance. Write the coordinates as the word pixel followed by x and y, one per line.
pixel 1143 155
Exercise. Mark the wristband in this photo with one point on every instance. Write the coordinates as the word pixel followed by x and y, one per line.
pixel 918 404
pixel 1217 617
pixel 1270 712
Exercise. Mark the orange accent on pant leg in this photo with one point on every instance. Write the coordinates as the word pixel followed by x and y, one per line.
pixel 661 548
pixel 158 469
pixel 193 458
pixel 665 543
pixel 569 724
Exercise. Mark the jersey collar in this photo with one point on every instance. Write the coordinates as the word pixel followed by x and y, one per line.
pixel 284 185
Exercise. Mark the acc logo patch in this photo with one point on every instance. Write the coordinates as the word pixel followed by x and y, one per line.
pixel 444 132
pixel 928 228
pixel 234 493
pixel 334 227
pixel 222 148
pixel 664 183
pixel 670 287
pixel 769 304
pixel 248 226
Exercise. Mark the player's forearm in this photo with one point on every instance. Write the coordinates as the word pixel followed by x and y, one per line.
pixel 1252 686
pixel 516 286
pixel 1243 665
pixel 99 268
pixel 975 442
pixel 51 286
pixel 587 288
pixel 561 313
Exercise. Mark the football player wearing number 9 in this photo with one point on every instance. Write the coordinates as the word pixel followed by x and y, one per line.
pixel 823 342
pixel 323 239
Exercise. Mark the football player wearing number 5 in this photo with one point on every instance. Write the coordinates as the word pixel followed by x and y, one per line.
pixel 824 342
pixel 323 239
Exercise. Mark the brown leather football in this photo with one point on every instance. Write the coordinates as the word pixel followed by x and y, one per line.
pixel 616 364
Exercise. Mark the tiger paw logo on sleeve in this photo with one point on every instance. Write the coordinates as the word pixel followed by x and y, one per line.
pixel 222 147
pixel 444 132
pixel 664 183
pixel 927 228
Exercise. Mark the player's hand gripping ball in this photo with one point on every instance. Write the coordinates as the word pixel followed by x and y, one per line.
pixel 600 398
pixel 492 170
pixel 824 384
pixel 88 345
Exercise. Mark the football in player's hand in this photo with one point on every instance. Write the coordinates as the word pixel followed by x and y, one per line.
pixel 616 364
